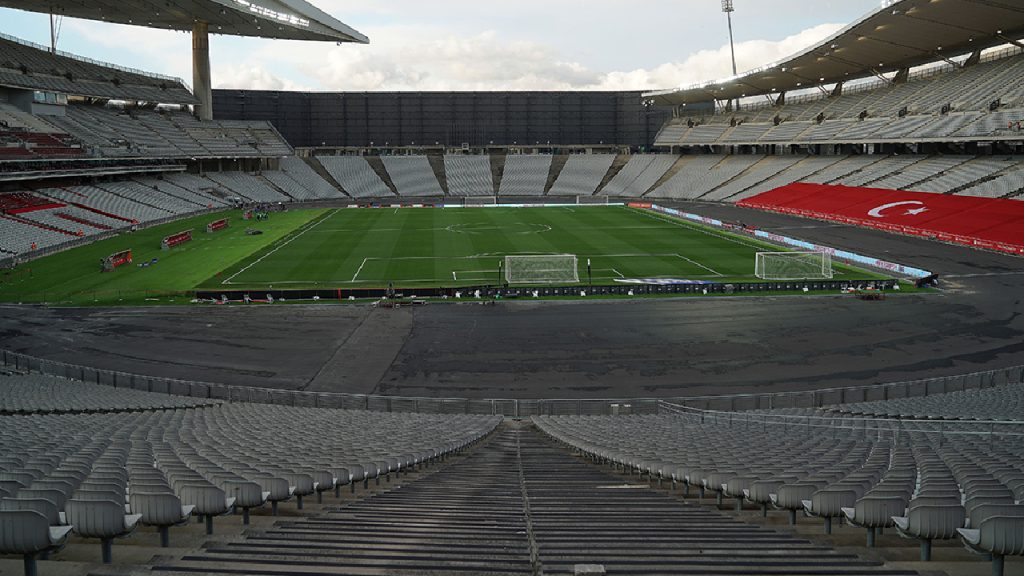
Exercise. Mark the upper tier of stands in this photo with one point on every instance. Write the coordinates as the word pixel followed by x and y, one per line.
pixel 25 137
pixel 114 132
pixel 105 131
pixel 945 104
pixel 25 65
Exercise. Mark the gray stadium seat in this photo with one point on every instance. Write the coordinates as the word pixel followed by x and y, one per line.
pixel 930 519
pixel 29 533
pixel 1000 536
pixel 161 510
pixel 103 519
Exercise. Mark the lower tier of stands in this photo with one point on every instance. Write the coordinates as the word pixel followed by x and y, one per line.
pixel 52 215
pixel 679 492
pixel 960 479
pixel 101 462
pixel 727 178
pixel 990 223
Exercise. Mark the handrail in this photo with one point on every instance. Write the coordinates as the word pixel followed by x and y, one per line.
pixel 760 417
pixel 516 408
pixel 87 60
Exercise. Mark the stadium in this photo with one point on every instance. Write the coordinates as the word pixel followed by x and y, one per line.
pixel 769 324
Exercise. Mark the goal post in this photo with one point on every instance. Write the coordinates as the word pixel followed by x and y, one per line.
pixel 793 265
pixel 542 269
pixel 479 200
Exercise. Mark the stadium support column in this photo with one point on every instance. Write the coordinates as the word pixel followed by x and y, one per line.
pixel 201 70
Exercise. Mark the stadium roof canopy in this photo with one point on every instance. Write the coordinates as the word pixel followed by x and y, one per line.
pixel 901 34
pixel 278 19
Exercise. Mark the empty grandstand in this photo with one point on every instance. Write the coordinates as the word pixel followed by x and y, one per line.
pixel 313 402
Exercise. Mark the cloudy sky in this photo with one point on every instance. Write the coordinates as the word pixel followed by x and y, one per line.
pixel 480 45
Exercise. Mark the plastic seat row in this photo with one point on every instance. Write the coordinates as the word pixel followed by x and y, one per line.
pixel 105 473
pixel 928 482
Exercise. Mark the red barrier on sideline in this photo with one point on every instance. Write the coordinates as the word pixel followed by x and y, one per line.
pixel 992 223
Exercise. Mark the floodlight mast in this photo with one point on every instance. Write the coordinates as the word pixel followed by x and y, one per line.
pixel 728 8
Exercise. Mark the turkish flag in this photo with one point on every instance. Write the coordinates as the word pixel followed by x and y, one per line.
pixel 992 223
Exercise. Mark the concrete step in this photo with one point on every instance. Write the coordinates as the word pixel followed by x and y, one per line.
pixel 520 504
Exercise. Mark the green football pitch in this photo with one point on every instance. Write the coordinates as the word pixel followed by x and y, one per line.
pixel 407 247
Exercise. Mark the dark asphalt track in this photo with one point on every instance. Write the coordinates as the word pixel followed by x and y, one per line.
pixel 579 349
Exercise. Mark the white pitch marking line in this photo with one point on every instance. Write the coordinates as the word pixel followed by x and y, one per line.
pixel 621 275
pixel 356 275
pixel 695 263
pixel 984 274
pixel 697 228
pixel 282 245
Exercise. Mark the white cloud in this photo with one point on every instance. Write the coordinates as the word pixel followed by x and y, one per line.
pixel 161 51
pixel 421 59
pixel 252 77
pixel 714 64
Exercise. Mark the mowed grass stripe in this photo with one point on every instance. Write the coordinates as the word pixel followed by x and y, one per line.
pixel 74 276
pixel 410 247
pixel 423 247
pixel 658 240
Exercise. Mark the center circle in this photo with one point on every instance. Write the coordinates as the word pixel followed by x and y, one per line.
pixel 517 228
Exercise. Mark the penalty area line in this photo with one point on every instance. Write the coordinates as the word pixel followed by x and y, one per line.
pixel 695 263
pixel 228 282
pixel 360 269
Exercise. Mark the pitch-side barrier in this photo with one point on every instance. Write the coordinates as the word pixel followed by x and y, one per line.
pixel 520 408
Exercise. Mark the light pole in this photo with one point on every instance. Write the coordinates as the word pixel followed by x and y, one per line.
pixel 728 8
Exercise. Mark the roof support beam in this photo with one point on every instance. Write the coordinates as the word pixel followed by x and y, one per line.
pixel 201 84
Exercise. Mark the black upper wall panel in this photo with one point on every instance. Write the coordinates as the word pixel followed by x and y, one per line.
pixel 361 119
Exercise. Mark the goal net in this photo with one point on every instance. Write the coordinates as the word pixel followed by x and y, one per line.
pixel 793 265
pixel 479 200
pixel 547 269
pixel 602 200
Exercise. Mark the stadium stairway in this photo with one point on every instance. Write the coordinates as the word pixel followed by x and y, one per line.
pixel 679 165
pixel 437 164
pixel 518 503
pixel 377 164
pixel 557 164
pixel 617 165
pixel 497 170
pixel 317 167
